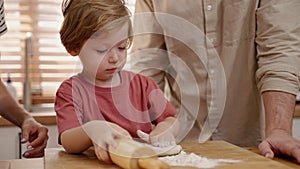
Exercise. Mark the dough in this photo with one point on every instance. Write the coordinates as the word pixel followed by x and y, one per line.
pixel 166 151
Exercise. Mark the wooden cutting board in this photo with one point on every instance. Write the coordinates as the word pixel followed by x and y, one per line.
pixel 4 164
pixel 224 150
pixel 33 163
pixel 59 159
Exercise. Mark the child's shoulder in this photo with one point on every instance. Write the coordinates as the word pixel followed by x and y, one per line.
pixel 131 75
pixel 137 79
pixel 71 80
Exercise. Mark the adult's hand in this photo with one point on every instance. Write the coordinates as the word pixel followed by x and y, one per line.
pixel 280 142
pixel 279 108
pixel 37 136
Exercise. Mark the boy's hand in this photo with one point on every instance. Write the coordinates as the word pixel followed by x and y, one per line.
pixel 102 134
pixel 163 134
pixel 158 139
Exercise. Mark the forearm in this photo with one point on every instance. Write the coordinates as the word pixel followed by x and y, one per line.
pixel 279 110
pixel 10 109
pixel 99 132
pixel 75 140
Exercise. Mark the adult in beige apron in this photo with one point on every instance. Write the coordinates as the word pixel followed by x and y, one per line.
pixel 217 59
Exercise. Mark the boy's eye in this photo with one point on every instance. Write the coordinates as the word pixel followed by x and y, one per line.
pixel 122 48
pixel 124 45
pixel 102 51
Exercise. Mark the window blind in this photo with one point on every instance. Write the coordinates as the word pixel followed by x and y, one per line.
pixel 49 64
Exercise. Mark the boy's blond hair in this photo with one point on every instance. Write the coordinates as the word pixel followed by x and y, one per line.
pixel 82 18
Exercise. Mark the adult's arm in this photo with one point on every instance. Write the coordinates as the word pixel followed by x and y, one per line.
pixel 279 107
pixel 10 109
pixel 278 51
pixel 32 131
pixel 148 54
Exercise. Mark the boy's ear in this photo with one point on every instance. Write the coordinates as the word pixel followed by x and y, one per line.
pixel 72 52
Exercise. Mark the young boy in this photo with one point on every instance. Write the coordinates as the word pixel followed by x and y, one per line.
pixel 104 102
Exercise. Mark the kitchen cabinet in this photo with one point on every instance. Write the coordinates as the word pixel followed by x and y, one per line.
pixel 9 141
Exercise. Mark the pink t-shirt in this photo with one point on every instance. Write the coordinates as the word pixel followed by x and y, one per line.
pixel 136 103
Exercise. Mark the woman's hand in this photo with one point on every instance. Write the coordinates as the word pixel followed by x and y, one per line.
pixel 37 136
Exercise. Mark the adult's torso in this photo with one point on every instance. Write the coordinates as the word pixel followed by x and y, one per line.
pixel 212 36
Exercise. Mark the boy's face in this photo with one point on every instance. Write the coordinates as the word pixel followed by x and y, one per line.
pixel 105 54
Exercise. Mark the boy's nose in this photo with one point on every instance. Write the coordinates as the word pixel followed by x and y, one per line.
pixel 113 56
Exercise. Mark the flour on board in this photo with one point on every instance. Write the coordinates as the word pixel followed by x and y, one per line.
pixel 193 160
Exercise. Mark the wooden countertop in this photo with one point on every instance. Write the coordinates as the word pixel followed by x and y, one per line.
pixel 46 118
pixel 281 159
pixel 57 158
pixel 34 163
pixel 40 99
pixel 43 118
